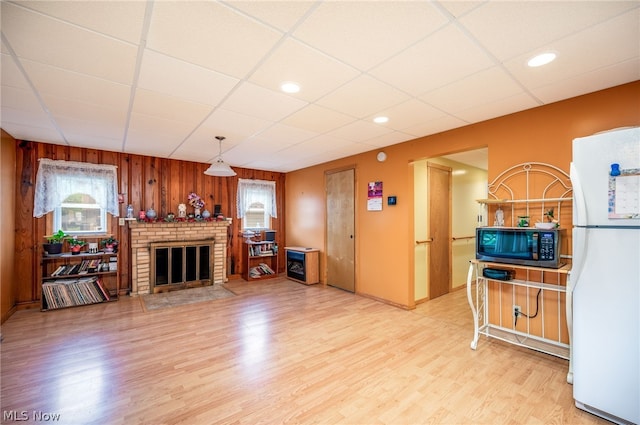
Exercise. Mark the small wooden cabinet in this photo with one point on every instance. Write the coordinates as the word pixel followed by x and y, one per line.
pixel 68 280
pixel 260 260
pixel 303 265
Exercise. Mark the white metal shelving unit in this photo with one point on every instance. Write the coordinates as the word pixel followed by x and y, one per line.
pixel 551 187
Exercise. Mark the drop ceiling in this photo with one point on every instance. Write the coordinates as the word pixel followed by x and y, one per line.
pixel 163 78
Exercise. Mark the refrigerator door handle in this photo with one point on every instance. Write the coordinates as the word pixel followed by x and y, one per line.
pixel 579 236
pixel 579 203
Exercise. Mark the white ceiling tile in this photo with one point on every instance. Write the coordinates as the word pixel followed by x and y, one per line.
pixel 107 120
pixel 483 87
pixel 497 108
pixel 121 19
pixel 33 36
pixel 387 139
pixel 24 117
pixel 95 140
pixel 359 131
pixel 33 132
pixel 358 33
pixel 317 118
pixel 511 28
pixel 11 75
pixel 286 135
pixel 85 89
pixel 589 82
pixel 22 100
pixel 437 125
pixel 407 114
pixel 315 72
pixel 444 57
pixel 262 103
pixel 183 80
pixel 154 136
pixel 162 106
pixel 283 17
pixel 211 35
pixel 362 97
pixel 617 40
pixel 232 125
pixel 459 8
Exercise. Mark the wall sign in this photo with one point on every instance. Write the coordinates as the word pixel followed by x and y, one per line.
pixel 374 197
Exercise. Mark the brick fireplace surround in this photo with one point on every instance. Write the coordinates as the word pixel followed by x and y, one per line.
pixel 143 234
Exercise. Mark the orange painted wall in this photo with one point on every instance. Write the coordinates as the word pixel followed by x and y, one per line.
pixel 384 245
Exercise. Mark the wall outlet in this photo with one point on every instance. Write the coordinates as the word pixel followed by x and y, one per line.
pixel 516 310
pixel 121 221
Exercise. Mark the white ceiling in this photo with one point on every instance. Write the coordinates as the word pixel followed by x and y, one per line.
pixel 163 78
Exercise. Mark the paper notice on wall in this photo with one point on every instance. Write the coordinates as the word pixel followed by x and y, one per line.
pixel 374 196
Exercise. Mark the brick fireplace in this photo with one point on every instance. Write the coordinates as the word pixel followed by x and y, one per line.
pixel 143 235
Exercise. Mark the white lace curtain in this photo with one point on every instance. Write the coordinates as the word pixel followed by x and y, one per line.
pixel 57 179
pixel 250 191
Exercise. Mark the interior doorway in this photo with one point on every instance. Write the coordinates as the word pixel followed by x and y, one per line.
pixel 438 229
pixel 340 201
pixel 468 183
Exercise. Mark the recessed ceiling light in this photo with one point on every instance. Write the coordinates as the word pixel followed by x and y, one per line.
pixel 381 120
pixel 541 59
pixel 290 87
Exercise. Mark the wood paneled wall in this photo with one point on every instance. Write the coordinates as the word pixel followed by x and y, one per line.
pixel 145 182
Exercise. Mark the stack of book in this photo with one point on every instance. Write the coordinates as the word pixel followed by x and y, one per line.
pixel 84 267
pixel 260 270
pixel 258 250
pixel 61 293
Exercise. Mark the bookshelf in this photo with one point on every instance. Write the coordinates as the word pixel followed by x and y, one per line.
pixel 69 280
pixel 260 260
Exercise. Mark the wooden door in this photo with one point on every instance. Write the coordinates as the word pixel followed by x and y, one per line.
pixel 340 229
pixel 439 229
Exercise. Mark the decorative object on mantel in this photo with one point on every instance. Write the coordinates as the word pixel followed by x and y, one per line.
pixel 182 211
pixel 220 168
pixel 196 202
pixel 170 217
pixel 151 214
pixel 206 214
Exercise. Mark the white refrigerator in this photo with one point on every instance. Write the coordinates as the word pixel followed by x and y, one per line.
pixel 604 281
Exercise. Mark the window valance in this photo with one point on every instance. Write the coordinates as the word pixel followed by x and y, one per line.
pixel 250 191
pixel 58 179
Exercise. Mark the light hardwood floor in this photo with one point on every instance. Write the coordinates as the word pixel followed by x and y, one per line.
pixel 278 352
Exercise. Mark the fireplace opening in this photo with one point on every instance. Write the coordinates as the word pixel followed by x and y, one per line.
pixel 296 265
pixel 179 265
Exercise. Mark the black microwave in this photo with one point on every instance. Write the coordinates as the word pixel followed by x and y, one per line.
pixel 519 245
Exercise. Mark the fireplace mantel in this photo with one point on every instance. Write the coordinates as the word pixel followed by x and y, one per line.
pixel 142 234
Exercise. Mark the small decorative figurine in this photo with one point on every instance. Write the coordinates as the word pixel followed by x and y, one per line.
pixel 182 211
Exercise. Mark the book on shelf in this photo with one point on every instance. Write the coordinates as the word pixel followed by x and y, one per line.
pixel 260 270
pixel 71 292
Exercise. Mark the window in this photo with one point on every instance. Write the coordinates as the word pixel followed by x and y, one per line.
pixel 80 214
pixel 79 195
pixel 256 203
pixel 255 217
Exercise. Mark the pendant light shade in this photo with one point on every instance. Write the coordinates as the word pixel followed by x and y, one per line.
pixel 220 168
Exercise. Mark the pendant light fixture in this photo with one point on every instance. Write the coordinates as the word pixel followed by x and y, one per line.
pixel 219 168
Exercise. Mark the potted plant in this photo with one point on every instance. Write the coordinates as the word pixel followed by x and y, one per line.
pixel 55 242
pixel 110 244
pixel 75 244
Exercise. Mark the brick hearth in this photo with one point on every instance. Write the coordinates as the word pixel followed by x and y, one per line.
pixel 143 234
